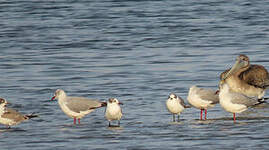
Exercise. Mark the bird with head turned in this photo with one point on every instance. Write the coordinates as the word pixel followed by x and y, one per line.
pixel 249 79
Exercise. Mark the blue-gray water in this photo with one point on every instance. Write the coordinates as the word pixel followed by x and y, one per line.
pixel 138 51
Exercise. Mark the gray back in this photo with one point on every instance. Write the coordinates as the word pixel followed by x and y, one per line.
pixel 208 94
pixel 244 100
pixel 78 104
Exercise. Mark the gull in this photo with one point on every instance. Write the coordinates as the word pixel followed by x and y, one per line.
pixel 76 107
pixel 11 117
pixel 113 111
pixel 202 99
pixel 175 105
pixel 234 102
pixel 250 80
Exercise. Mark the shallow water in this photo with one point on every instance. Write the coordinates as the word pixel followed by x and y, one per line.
pixel 138 51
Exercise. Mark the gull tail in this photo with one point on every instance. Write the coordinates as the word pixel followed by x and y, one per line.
pixel 29 116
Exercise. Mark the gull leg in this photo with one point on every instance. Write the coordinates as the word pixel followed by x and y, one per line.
pixel 234 117
pixel 109 125
pixel 205 113
pixel 75 121
pixel 174 118
pixel 78 120
pixel 177 118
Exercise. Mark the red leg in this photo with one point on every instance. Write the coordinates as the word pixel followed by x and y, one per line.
pixel 234 117
pixel 78 120
pixel 75 121
pixel 201 116
pixel 205 113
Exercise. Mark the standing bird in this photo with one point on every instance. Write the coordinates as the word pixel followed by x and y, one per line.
pixel 175 105
pixel 76 107
pixel 10 117
pixel 235 102
pixel 113 111
pixel 250 80
pixel 202 99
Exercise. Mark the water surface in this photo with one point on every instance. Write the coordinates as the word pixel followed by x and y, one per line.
pixel 138 51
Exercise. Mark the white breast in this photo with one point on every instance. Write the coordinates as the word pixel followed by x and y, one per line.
pixel 174 106
pixel 225 102
pixel 113 112
pixel 2 110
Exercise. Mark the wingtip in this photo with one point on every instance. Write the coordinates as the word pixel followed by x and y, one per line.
pixel 187 106
pixel 32 115
pixel 103 104
pixel 263 100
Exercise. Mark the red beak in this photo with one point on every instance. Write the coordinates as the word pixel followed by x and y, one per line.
pixel 120 103
pixel 53 98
